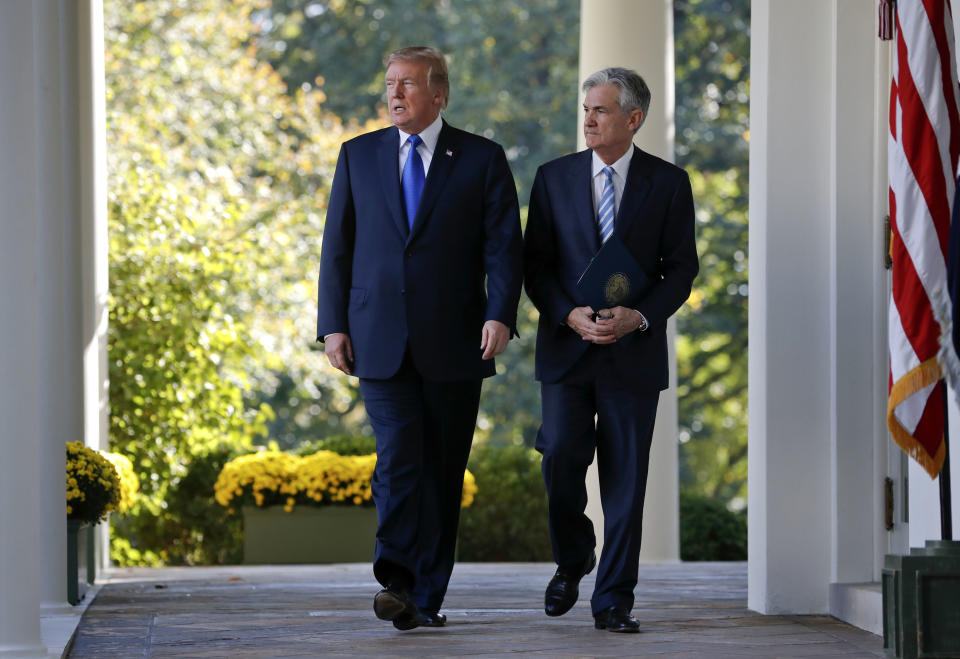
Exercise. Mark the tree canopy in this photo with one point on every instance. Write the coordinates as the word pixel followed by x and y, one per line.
pixel 712 53
pixel 512 64
pixel 217 182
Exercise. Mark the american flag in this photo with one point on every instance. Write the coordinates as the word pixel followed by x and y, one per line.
pixel 923 148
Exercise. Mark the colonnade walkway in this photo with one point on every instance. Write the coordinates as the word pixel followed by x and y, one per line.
pixel 493 610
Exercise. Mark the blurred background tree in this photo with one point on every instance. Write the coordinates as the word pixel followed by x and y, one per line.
pixel 217 182
pixel 513 64
pixel 224 124
pixel 712 43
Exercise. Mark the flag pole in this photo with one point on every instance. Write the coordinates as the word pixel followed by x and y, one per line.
pixel 946 507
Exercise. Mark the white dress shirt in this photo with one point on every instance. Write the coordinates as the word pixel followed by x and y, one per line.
pixel 429 137
pixel 620 169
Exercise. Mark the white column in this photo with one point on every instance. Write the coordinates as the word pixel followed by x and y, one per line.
pixel 59 356
pixel 790 306
pixel 20 442
pixel 859 293
pixel 93 219
pixel 638 34
pixel 817 301
pixel 91 113
pixel 41 384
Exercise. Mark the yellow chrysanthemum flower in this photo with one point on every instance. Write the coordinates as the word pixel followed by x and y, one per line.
pixel 92 484
pixel 273 477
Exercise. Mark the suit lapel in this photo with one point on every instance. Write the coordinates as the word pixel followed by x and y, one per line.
pixel 440 165
pixel 580 178
pixel 634 193
pixel 388 156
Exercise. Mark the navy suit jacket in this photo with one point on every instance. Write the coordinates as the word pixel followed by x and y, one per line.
pixel 655 221
pixel 431 287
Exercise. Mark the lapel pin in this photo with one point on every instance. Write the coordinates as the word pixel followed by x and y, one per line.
pixel 449 152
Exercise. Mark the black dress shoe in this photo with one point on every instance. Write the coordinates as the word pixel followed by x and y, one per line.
pixel 564 588
pixel 616 620
pixel 395 604
pixel 434 619
pixel 405 622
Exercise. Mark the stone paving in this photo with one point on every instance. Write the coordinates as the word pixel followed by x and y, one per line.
pixel 493 610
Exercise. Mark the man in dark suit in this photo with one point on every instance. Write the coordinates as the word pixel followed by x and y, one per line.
pixel 601 370
pixel 420 276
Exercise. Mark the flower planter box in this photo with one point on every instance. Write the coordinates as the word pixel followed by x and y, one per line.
pixel 81 568
pixel 921 598
pixel 325 534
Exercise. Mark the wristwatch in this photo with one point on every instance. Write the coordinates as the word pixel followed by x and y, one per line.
pixel 643 321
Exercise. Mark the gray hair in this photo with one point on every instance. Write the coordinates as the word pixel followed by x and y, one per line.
pixel 634 93
pixel 437 78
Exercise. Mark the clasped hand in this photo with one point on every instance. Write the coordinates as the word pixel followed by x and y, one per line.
pixel 611 324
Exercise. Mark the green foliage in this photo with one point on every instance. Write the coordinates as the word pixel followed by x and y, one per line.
pixel 321 405
pixel 711 532
pixel 192 528
pixel 123 553
pixel 175 385
pixel 214 175
pixel 712 50
pixel 342 444
pixel 712 44
pixel 508 518
pixel 202 532
pixel 513 64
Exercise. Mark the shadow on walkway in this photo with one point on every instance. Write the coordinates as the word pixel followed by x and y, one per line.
pixel 493 610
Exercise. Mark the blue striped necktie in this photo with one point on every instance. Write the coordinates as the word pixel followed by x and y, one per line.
pixel 412 179
pixel 605 209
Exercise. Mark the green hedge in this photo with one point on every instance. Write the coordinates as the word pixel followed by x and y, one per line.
pixel 710 532
pixel 193 529
pixel 508 518
pixel 342 444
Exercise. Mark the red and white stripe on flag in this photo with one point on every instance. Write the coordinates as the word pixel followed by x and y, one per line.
pixel 923 149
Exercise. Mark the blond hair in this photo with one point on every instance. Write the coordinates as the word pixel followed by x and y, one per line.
pixel 437 79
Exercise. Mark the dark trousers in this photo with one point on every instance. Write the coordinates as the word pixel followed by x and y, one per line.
pixel 592 408
pixel 424 430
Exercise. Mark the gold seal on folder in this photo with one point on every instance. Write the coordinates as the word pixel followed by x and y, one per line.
pixel 617 289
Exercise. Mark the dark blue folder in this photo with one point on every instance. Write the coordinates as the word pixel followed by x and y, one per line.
pixel 612 278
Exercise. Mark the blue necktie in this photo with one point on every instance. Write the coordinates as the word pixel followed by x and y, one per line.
pixel 605 210
pixel 412 179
